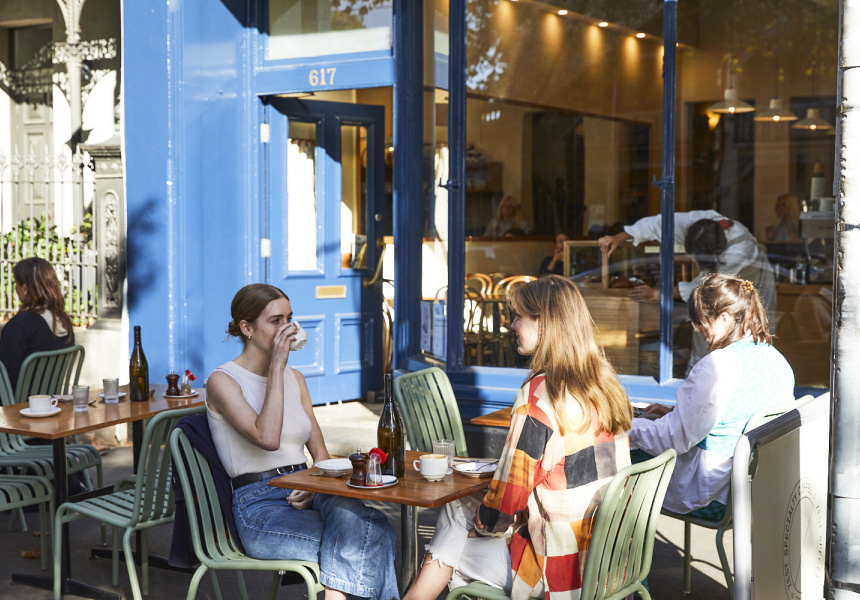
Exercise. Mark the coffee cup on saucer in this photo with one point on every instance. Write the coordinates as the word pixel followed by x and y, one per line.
pixel 41 404
pixel 433 467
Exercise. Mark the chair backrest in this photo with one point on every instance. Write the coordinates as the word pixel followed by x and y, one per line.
pixel 426 401
pixel 153 491
pixel 622 543
pixel 50 372
pixel 771 412
pixel 479 282
pixel 509 283
pixel 209 530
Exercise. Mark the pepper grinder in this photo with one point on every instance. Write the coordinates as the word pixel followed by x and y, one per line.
pixel 359 468
pixel 172 387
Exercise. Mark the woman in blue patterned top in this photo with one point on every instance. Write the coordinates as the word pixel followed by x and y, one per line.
pixel 743 374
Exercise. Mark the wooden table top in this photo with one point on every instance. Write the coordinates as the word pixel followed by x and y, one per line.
pixel 500 418
pixel 412 490
pixel 68 422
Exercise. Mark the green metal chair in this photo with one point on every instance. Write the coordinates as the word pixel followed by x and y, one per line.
pixel 430 412
pixel 20 491
pixel 724 524
pixel 148 504
pixel 619 553
pixel 210 536
pixel 51 372
pixel 39 460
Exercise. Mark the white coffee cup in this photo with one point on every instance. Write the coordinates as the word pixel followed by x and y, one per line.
pixel 301 338
pixel 433 467
pixel 42 404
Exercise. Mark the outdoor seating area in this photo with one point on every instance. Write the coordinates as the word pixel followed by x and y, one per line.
pixel 664 579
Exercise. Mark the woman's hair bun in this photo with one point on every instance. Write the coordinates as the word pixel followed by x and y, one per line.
pixel 233 329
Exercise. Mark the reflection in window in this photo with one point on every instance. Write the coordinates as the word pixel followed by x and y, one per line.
pixel 301 198
pixel 564 115
pixel 302 28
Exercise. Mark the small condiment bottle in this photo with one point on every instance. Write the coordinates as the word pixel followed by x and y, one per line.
pixel 172 385
pixel 359 467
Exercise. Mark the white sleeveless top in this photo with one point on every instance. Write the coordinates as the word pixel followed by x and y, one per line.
pixel 237 454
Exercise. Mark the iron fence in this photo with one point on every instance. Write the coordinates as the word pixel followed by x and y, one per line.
pixel 46 210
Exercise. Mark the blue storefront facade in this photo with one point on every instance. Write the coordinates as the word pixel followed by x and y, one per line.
pixel 301 143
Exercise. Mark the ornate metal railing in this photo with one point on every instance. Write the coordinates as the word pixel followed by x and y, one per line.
pixel 48 209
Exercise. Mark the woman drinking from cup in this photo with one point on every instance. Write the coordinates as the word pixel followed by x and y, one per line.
pixel 41 322
pixel 529 534
pixel 261 417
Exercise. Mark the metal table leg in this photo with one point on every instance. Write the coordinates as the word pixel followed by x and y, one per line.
pixel 409 541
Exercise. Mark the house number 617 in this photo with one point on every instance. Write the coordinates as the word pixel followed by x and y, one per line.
pixel 318 76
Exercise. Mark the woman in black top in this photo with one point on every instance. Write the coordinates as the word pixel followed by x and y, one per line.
pixel 555 264
pixel 41 323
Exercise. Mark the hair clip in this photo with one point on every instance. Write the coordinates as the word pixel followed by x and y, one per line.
pixel 748 286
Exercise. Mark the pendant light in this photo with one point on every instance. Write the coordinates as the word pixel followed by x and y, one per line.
pixel 813 120
pixel 775 112
pixel 731 104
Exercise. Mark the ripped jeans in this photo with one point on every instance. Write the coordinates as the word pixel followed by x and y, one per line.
pixel 485 559
pixel 353 543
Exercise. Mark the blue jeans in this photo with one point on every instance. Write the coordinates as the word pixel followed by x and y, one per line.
pixel 353 544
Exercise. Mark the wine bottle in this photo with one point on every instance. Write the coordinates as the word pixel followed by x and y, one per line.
pixel 390 435
pixel 138 371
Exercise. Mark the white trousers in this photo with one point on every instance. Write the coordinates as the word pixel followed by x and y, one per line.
pixel 485 559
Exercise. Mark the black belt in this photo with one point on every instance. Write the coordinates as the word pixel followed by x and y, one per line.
pixel 249 478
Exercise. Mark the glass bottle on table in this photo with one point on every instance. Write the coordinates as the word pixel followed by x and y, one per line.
pixel 138 371
pixel 390 435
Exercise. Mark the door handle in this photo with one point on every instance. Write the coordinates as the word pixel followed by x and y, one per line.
pixel 365 282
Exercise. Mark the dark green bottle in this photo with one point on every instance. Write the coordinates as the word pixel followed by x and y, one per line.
pixel 390 435
pixel 138 371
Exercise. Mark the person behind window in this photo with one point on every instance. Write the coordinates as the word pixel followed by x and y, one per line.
pixel 508 217
pixel 41 322
pixel 743 374
pixel 717 244
pixel 261 417
pixel 570 411
pixel 786 228
pixel 555 264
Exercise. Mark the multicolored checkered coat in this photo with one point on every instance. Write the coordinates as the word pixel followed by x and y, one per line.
pixel 559 480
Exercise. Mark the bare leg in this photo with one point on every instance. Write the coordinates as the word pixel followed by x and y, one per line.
pixel 331 594
pixel 431 580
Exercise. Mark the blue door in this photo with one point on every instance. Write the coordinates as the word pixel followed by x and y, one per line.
pixel 325 184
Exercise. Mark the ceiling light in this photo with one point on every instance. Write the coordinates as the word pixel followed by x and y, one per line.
pixel 775 113
pixel 562 12
pixel 640 35
pixel 813 121
pixel 603 24
pixel 731 104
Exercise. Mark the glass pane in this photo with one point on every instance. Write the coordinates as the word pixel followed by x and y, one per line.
pixel 302 197
pixel 353 207
pixel 302 28
pixel 564 122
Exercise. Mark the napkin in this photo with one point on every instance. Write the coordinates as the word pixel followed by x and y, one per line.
pixel 301 338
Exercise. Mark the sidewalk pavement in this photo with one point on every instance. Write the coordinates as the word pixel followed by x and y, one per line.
pixel 346 427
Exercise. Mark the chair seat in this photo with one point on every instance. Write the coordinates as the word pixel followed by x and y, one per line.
pixel 115 509
pixel 18 491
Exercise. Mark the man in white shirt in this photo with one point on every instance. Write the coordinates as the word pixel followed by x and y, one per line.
pixel 717 243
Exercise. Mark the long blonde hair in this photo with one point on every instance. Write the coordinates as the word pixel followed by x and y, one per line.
pixel 569 356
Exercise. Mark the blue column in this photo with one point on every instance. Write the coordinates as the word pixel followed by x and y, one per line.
pixel 408 182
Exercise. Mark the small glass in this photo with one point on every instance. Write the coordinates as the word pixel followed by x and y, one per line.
pixel 445 447
pixel 81 397
pixel 111 392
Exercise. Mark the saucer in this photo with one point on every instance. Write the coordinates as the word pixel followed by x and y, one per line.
pixel 387 481
pixel 119 395
pixel 182 396
pixel 335 466
pixel 29 413
pixel 476 469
